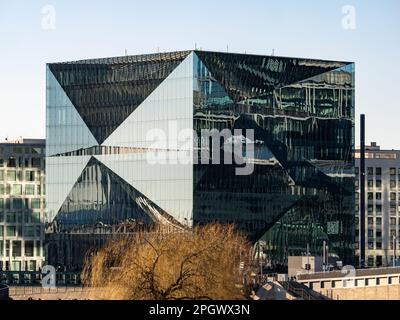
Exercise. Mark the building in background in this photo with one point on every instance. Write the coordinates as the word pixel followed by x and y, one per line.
pixel 382 204
pixel 22 190
pixel 100 160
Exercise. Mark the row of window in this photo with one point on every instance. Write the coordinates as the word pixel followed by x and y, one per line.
pixel 378 171
pixel 18 231
pixel 14 175
pixel 22 162
pixel 23 150
pixel 20 217
pixel 19 190
pixel 378 196
pixel 13 248
pixel 378 221
pixel 18 203
pixel 378 184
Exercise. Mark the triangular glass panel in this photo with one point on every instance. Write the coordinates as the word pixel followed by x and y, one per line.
pixel 168 109
pixel 65 131
pixel 164 177
pixel 110 202
pixel 247 76
pixel 106 91
pixel 61 175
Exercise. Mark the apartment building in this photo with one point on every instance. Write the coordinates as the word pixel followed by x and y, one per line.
pixel 22 194
pixel 382 204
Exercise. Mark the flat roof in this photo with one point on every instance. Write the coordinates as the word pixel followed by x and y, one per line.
pixel 151 56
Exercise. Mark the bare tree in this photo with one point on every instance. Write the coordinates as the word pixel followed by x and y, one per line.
pixel 203 263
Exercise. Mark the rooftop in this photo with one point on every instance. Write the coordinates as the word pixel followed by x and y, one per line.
pixel 179 54
pixel 21 140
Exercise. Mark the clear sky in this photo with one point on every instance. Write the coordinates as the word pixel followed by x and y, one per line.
pixel 299 28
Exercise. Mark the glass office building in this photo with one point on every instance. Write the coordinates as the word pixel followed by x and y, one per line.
pixel 124 137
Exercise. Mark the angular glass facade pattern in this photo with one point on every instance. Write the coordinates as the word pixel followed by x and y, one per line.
pixel 101 113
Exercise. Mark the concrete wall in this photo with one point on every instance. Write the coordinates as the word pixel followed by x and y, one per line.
pixel 381 292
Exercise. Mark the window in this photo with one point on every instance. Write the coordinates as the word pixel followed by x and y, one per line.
pixel 371 263
pixel 29 231
pixel 16 248
pixel 392 221
pixel 370 183
pixel 392 184
pixel 378 196
pixel 370 233
pixel 393 171
pixel 11 175
pixel 29 248
pixel 370 221
pixel 370 245
pixel 35 217
pixel 378 171
pixel 36 163
pixel 1 175
pixel 378 208
pixel 16 190
pixel 1 231
pixel 38 231
pixel 378 221
pixel 11 163
pixel 11 217
pixel 379 245
pixel 2 189
pixel 370 171
pixel 1 203
pixel 30 175
pixel 378 184
pixel 29 189
pixel 378 234
pixel 370 196
pixel 35 204
pixel 10 231
pixel 393 196
pixel 31 265
pixel 370 208
pixel 357 170
pixel 18 203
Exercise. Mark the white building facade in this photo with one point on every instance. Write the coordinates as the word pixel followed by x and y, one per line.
pixel 22 202
pixel 382 205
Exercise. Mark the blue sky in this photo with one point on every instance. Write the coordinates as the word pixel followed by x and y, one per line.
pixel 299 28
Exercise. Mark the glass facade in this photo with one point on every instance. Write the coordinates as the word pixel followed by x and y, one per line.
pixel 115 148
